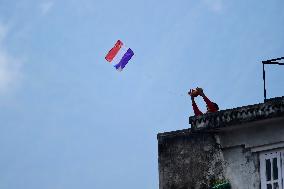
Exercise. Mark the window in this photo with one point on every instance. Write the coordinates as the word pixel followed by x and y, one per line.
pixel 272 169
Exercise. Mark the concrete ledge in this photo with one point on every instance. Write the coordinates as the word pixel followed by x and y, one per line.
pixel 271 108
pixel 182 132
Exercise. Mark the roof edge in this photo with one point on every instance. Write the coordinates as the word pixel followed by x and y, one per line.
pixel 273 107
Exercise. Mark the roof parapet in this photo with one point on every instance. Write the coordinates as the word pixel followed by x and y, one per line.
pixel 270 108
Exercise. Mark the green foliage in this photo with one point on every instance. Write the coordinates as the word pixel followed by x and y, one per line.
pixel 221 184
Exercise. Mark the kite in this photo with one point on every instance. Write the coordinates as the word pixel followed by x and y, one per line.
pixel 119 55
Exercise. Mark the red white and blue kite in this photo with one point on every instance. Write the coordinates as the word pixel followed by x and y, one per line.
pixel 119 55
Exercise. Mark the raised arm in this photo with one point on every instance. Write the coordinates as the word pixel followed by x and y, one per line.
pixel 196 110
pixel 210 105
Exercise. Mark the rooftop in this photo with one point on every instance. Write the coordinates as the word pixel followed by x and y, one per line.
pixel 271 108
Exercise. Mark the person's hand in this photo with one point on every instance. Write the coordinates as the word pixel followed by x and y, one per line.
pixel 189 92
pixel 200 91
pixel 193 93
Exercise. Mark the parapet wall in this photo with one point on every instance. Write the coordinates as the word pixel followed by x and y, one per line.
pixel 271 108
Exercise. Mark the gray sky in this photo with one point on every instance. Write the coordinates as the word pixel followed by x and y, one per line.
pixel 69 120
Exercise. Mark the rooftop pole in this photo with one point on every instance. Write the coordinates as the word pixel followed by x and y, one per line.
pixel 263 76
pixel 272 61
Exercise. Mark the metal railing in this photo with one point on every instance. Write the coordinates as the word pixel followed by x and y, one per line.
pixel 272 61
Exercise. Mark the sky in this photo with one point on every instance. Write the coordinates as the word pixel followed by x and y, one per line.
pixel 69 120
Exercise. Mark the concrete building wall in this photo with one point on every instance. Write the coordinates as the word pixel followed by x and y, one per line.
pixel 253 134
pixel 237 143
pixel 188 161
pixel 241 168
pixel 193 160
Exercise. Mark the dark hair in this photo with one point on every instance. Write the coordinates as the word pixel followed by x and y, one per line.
pixel 216 106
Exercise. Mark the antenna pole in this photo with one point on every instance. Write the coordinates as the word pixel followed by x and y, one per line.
pixel 263 76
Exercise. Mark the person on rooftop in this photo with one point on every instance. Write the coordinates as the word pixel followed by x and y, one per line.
pixel 211 106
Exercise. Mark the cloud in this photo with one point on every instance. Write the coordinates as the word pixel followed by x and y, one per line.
pixel 9 66
pixel 214 5
pixel 46 7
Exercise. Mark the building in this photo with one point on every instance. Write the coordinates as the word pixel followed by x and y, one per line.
pixel 242 146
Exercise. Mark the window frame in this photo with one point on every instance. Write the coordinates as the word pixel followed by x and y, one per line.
pixel 263 156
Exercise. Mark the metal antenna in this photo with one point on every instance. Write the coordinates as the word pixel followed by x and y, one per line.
pixel 272 61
